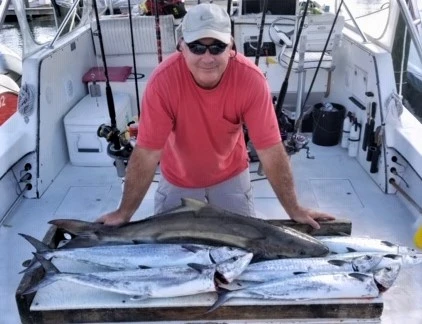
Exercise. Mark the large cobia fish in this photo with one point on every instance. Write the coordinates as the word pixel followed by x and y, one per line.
pixel 199 223
pixel 152 282
pixel 317 286
pixel 284 268
pixel 345 244
pixel 132 256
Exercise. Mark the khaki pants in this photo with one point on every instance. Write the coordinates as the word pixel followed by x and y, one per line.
pixel 234 194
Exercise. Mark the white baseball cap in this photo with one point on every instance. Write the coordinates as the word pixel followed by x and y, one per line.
pixel 206 20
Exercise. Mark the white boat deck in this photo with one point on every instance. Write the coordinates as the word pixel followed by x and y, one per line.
pixel 331 182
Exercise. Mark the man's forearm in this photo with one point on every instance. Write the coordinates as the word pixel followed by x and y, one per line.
pixel 139 175
pixel 276 165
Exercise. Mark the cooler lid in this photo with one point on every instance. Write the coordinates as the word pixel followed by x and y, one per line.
pixel 94 110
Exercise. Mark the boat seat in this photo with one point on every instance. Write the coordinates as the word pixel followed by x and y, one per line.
pixel 312 43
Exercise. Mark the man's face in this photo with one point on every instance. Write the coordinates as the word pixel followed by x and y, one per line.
pixel 207 69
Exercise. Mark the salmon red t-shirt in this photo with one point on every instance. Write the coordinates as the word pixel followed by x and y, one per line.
pixel 199 130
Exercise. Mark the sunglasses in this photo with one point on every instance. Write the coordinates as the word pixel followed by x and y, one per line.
pixel 199 49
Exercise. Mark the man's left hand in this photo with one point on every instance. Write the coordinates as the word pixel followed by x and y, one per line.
pixel 310 216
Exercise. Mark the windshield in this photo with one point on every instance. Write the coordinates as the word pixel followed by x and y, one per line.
pixel 371 15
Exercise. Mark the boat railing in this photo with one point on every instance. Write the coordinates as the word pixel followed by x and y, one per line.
pixel 71 13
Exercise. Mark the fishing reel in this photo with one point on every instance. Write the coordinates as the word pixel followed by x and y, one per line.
pixel 294 142
pixel 118 148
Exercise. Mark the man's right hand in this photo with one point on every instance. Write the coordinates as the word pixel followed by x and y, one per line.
pixel 115 218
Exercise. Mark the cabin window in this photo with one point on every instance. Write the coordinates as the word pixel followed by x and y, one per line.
pixel 412 76
pixel 408 66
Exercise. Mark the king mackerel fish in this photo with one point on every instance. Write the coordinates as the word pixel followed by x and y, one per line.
pixel 200 223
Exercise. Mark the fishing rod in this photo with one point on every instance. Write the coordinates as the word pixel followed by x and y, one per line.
pixel 112 134
pixel 261 31
pixel 134 58
pixel 283 90
pixel 158 32
pixel 257 56
pixel 298 123
pixel 229 7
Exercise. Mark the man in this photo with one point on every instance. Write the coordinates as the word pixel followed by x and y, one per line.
pixel 191 121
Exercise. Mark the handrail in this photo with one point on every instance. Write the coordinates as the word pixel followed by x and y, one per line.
pixel 362 34
pixel 64 22
pixel 4 5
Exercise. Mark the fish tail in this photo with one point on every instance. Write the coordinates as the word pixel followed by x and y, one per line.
pixel 77 227
pixel 51 275
pixel 223 296
pixel 39 246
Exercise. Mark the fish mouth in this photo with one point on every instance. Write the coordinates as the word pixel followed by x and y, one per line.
pixel 219 278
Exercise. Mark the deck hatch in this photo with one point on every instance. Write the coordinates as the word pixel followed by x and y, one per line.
pixel 335 193
pixel 84 202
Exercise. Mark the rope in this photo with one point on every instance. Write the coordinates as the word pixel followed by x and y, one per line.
pixel 26 101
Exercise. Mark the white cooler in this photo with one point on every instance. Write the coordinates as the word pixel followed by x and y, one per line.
pixel 81 124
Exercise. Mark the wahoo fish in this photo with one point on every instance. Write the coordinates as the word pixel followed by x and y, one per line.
pixel 131 256
pixel 387 259
pixel 284 268
pixel 345 244
pixel 199 223
pixel 162 282
pixel 317 286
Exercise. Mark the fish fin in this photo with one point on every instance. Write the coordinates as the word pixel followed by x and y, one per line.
pixel 389 244
pixel 338 263
pixel 296 273
pixel 223 296
pixel 51 274
pixel 350 250
pixel 192 248
pixel 193 203
pixel 78 227
pixel 143 267
pixel 358 275
pixel 198 267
